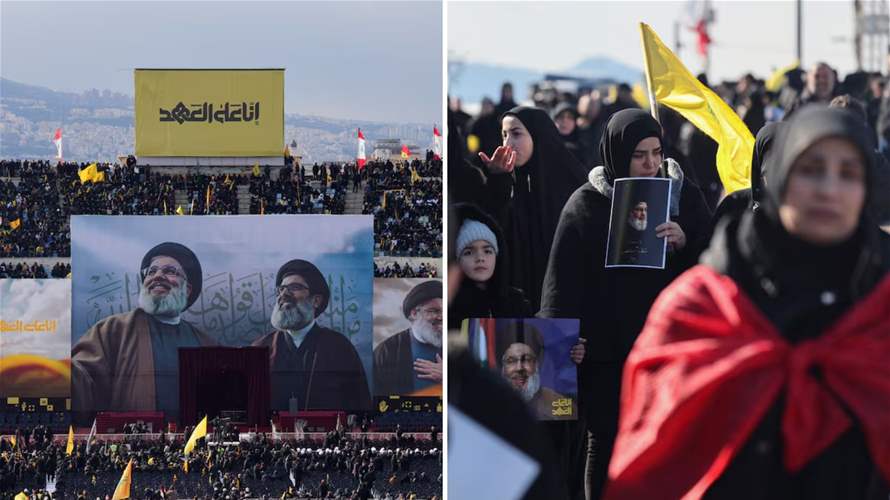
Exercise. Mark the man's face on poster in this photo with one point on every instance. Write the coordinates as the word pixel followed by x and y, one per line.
pixel 426 321
pixel 164 291
pixel 638 216
pixel 520 368
pixel 295 304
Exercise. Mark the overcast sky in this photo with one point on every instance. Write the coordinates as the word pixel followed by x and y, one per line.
pixel 379 61
pixel 748 36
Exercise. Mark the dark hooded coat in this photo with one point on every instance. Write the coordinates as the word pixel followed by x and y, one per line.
pixel 612 303
pixel 539 189
pixel 802 289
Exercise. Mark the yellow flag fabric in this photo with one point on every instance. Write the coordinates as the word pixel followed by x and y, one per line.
pixel 179 210
pixel 12 440
pixel 675 87
pixel 21 496
pixel 199 432
pixel 256 169
pixel 123 486
pixel 89 173
pixel 15 224
pixel 414 176
pixel 69 449
pixel 774 82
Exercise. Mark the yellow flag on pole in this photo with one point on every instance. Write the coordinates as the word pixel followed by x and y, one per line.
pixel 675 87
pixel 199 432
pixel 69 449
pixel 16 223
pixel 123 486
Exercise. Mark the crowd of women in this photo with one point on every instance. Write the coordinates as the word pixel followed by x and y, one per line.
pixel 752 364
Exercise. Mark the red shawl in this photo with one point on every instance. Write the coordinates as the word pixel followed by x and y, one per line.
pixel 708 365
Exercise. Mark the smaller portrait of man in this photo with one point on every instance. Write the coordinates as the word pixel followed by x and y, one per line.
pixel 520 356
pixel 318 366
pixel 410 361
pixel 130 361
pixel 639 207
pixel 634 243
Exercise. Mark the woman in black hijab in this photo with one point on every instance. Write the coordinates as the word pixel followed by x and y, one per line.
pixel 791 305
pixel 736 203
pixel 532 175
pixel 613 303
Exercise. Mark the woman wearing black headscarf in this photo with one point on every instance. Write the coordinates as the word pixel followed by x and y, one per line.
pixel 533 174
pixel 612 303
pixel 736 203
pixel 780 386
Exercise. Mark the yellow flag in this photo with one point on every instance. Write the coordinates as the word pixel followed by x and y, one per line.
pixel 12 440
pixel 675 87
pixel 15 224
pixel 256 169
pixel 179 210
pixel 91 173
pixel 69 449
pixel 21 496
pixel 774 82
pixel 199 432
pixel 123 486
pixel 414 176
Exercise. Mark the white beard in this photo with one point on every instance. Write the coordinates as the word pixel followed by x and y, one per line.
pixel 168 306
pixel 639 225
pixel 426 333
pixel 531 387
pixel 293 318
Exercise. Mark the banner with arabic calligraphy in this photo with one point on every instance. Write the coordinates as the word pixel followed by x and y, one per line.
pixel 239 257
pixel 393 374
pixel 35 338
pixel 209 113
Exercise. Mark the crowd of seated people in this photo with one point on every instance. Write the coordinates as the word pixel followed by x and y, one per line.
pixel 405 270
pixel 258 467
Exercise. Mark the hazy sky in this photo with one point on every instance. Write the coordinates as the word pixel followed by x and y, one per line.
pixel 378 61
pixel 757 36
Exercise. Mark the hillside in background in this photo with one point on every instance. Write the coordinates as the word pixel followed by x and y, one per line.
pixel 473 81
pixel 98 125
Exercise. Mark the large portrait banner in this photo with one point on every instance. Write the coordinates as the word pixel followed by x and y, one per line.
pixel 145 286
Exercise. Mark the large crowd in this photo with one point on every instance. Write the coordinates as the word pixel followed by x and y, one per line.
pixel 260 466
pixel 407 207
pixel 788 271
pixel 405 270
pixel 38 197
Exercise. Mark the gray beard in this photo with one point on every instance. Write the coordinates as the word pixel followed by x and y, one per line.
pixel 293 318
pixel 168 306
pixel 639 225
pixel 531 387
pixel 425 333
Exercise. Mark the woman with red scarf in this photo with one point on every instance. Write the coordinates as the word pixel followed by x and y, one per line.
pixel 764 372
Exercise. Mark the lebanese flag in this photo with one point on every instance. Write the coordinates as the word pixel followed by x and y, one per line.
pixel 437 144
pixel 360 159
pixel 57 140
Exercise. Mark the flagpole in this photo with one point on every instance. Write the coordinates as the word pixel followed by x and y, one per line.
pixel 653 104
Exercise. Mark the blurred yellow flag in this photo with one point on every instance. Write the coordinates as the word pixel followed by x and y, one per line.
pixel 69 449
pixel 179 210
pixel 123 486
pixel 199 432
pixel 675 87
pixel 15 224
pixel 91 173
pixel 21 496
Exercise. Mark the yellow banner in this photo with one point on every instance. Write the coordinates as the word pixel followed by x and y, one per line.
pixel 211 113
